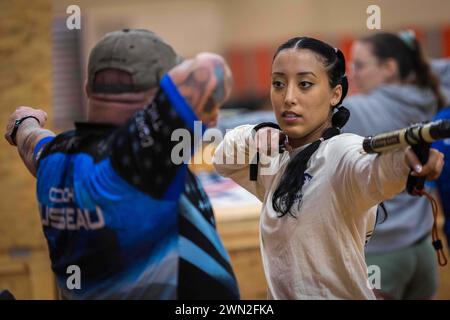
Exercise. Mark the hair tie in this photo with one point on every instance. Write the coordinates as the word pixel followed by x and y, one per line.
pixel 409 38
pixel 340 117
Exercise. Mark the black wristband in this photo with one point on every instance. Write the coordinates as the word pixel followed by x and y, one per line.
pixel 17 123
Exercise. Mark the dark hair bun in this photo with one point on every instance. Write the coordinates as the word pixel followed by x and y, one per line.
pixel 340 117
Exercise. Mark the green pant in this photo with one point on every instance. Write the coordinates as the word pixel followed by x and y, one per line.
pixel 407 273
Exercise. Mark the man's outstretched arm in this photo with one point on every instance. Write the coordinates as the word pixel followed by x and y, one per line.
pixel 28 134
pixel 144 152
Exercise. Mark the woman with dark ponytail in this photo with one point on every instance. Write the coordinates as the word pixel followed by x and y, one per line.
pixel 397 88
pixel 320 191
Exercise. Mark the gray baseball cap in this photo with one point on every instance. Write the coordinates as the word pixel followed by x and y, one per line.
pixel 141 53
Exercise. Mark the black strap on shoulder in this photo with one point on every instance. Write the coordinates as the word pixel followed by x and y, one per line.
pixel 255 161
pixel 265 125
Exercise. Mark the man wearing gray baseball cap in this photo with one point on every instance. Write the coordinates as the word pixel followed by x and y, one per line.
pixel 111 200
pixel 130 61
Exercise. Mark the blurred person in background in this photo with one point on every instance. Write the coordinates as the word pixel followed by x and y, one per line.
pixel 111 199
pixel 397 88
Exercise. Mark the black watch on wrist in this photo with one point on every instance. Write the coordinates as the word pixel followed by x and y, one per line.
pixel 17 123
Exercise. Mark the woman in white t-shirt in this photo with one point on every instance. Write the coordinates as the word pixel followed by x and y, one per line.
pixel 319 195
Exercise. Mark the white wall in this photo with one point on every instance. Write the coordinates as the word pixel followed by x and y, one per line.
pixel 192 26
pixel 196 25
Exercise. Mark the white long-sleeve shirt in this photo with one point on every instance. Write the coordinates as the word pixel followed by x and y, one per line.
pixel 320 253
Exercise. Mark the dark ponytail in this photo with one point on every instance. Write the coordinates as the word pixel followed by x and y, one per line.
pixel 411 60
pixel 292 180
pixel 425 78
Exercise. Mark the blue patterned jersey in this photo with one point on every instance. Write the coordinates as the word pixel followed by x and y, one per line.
pixel 443 182
pixel 137 225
